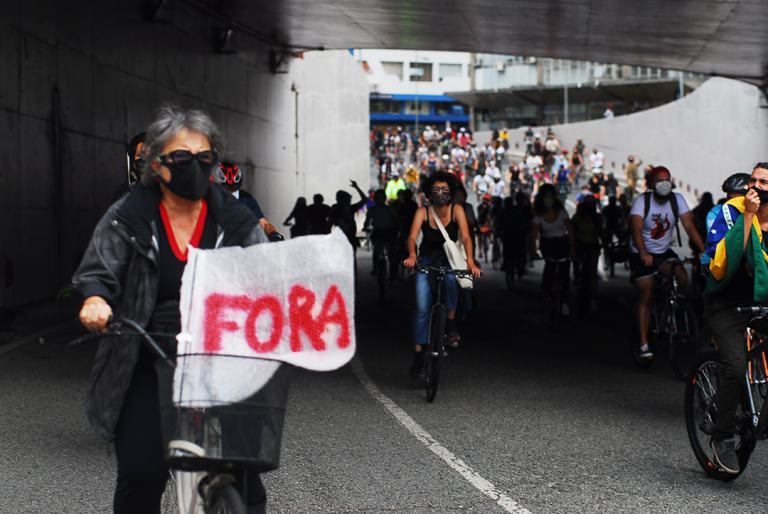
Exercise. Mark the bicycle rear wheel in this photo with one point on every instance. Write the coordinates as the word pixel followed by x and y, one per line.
pixel 684 340
pixel 701 418
pixel 495 255
pixel 226 500
pixel 434 355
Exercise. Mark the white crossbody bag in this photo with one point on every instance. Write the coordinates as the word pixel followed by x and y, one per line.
pixel 457 254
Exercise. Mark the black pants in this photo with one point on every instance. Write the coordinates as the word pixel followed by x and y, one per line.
pixel 556 248
pixel 141 471
pixel 385 239
pixel 728 331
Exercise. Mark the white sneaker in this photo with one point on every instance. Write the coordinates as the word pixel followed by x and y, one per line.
pixel 564 309
pixel 645 352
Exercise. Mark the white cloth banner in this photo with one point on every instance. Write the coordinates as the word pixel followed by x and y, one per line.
pixel 291 301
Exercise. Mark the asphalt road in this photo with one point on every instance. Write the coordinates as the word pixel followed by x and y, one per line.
pixel 551 422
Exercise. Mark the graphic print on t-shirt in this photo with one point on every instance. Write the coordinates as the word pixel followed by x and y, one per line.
pixel 661 225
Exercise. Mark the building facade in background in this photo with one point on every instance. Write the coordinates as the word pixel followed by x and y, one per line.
pixel 408 87
pixel 515 91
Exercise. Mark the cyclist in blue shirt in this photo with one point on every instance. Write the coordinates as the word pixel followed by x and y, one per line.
pixel 734 186
pixel 231 179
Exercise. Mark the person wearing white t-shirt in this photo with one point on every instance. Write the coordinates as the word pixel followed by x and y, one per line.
pixel 481 184
pixel 651 243
pixel 597 159
pixel 498 188
pixel 492 171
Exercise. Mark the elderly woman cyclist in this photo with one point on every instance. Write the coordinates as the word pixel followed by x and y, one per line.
pixel 441 188
pixel 132 269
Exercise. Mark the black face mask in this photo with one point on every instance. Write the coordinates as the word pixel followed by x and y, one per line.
pixel 189 183
pixel 440 198
pixel 762 194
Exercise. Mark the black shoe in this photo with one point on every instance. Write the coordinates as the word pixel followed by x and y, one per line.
pixel 418 363
pixel 725 455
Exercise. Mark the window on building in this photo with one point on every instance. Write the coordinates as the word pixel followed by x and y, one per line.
pixel 448 109
pixel 393 68
pixel 449 70
pixel 410 108
pixel 421 72
pixel 385 107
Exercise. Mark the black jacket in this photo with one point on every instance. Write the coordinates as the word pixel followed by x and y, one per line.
pixel 120 265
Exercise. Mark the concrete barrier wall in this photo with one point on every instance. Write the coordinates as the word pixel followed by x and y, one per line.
pixel 79 79
pixel 717 130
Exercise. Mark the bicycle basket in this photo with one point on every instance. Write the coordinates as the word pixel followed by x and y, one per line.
pixel 244 434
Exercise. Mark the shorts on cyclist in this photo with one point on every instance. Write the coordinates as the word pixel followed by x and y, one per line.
pixel 424 299
pixel 639 270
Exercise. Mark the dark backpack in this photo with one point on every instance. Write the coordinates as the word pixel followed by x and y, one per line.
pixel 675 211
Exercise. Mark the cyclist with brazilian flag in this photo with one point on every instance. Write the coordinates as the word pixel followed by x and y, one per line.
pixel 739 277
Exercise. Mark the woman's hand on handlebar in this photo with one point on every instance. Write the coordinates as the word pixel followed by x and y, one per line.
pixel 410 262
pixel 95 314
pixel 476 272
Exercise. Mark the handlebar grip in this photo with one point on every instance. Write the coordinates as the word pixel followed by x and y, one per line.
pixel 753 310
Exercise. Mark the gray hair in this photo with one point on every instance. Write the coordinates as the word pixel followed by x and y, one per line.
pixel 169 120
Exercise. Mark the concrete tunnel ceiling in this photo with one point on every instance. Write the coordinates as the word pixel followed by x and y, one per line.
pixel 726 38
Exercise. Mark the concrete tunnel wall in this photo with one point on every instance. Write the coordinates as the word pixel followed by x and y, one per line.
pixel 719 129
pixel 77 81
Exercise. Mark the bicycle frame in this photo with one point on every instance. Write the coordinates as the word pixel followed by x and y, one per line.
pixel 669 304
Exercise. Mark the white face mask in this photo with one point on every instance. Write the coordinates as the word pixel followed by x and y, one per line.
pixel 663 188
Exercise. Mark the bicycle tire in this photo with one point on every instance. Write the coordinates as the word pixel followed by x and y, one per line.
pixel 382 277
pixel 634 339
pixel 510 275
pixel 557 308
pixel 700 418
pixel 433 358
pixel 684 345
pixel 226 500
pixel 495 255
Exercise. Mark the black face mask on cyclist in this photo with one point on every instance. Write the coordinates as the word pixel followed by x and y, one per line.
pixel 440 198
pixel 190 183
pixel 763 194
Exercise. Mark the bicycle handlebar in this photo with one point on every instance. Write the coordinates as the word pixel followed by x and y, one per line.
pixel 674 262
pixel 755 309
pixel 423 268
pixel 113 329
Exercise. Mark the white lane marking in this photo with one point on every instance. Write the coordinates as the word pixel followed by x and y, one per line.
pixel 12 346
pixel 480 483
pixel 570 203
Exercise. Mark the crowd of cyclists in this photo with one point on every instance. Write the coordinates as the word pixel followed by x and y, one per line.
pixel 425 182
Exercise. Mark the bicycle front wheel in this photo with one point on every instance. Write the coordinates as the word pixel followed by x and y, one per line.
pixel 434 355
pixel 683 340
pixel 701 417
pixel 226 500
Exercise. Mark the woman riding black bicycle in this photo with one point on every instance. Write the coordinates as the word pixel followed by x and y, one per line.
pixel 132 269
pixel 552 222
pixel 441 187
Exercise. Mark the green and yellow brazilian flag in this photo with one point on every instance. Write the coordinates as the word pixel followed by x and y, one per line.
pixel 730 253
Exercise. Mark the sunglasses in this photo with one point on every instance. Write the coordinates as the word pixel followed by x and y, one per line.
pixel 441 189
pixel 183 158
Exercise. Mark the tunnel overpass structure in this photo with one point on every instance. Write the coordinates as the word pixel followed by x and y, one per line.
pixel 78 79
